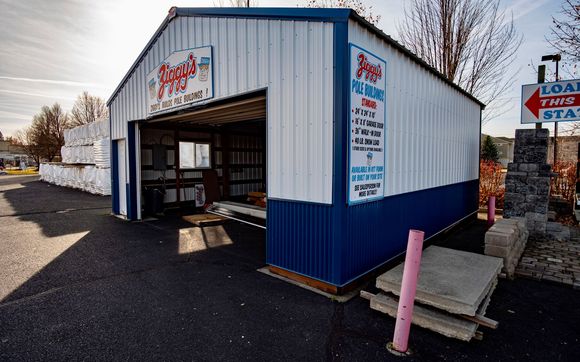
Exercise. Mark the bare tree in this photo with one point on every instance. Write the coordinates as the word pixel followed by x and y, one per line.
pixel 357 5
pixel 88 109
pixel 25 139
pixel 567 70
pixel 471 42
pixel 45 136
pixel 565 36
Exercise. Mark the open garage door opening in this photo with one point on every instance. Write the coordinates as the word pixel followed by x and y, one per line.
pixel 208 159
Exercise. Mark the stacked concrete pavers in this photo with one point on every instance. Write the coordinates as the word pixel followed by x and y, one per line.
pixel 527 183
pixel 507 239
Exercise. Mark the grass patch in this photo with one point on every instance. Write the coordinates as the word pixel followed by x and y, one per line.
pixel 28 171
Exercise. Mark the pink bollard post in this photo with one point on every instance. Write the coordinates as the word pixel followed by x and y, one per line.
pixel 491 211
pixel 408 290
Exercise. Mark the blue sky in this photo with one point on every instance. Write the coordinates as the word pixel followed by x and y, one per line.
pixel 50 51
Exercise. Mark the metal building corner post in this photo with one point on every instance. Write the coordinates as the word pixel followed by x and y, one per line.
pixel 339 168
pixel 176 161
pixel 132 206
pixel 115 177
pixel 408 289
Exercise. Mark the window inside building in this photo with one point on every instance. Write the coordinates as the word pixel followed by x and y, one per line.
pixel 194 155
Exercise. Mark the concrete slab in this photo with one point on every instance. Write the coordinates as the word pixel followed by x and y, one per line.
pixel 452 280
pixel 442 322
pixel 436 321
pixel 482 309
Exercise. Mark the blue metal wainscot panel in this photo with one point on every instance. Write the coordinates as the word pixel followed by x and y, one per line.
pixel 304 238
pixel 376 232
pixel 300 238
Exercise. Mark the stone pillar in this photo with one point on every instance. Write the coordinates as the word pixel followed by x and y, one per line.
pixel 527 181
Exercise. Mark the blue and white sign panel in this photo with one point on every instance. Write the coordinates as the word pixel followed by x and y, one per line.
pixel 551 102
pixel 366 126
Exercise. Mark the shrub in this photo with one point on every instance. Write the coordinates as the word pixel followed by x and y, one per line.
pixel 564 184
pixel 491 183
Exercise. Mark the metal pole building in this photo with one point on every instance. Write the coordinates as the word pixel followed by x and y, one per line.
pixel 356 139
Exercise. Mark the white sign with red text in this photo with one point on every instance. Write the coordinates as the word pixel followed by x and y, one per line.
pixel 366 138
pixel 551 102
pixel 184 77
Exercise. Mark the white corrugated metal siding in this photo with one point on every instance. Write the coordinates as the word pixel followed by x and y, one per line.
pixel 292 59
pixel 432 129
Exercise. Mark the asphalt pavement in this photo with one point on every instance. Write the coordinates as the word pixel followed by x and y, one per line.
pixel 79 284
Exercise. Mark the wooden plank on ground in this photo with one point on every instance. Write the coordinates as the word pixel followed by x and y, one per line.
pixel 482 320
pixel 366 295
pixel 204 219
pixel 325 287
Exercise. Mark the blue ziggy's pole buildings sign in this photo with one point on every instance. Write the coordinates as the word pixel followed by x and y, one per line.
pixel 367 126
pixel 551 102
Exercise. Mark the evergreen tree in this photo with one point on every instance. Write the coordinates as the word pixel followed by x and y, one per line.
pixel 489 151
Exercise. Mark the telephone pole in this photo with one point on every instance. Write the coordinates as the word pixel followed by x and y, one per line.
pixel 555 58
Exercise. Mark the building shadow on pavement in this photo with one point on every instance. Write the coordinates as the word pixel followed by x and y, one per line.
pixel 63 237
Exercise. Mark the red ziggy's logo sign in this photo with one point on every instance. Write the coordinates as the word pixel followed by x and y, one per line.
pixel 373 72
pixel 176 77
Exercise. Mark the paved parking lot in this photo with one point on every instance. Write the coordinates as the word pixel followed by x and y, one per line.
pixel 79 284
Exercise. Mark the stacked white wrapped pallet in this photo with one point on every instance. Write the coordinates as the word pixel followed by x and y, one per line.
pixel 78 154
pixel 87 134
pixel 83 177
pixel 85 160
pixel 102 153
pixel 84 144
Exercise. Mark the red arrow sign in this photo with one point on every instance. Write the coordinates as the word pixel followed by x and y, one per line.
pixel 535 103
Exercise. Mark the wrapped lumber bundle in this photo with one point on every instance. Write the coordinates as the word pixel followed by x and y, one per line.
pixel 87 134
pixel 78 154
pixel 102 153
pixel 85 160
pixel 86 178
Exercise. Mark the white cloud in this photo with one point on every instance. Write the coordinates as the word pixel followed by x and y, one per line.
pixel 521 8
pixel 12 115
pixel 51 81
pixel 30 94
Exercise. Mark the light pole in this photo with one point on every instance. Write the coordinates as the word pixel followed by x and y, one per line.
pixel 555 58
